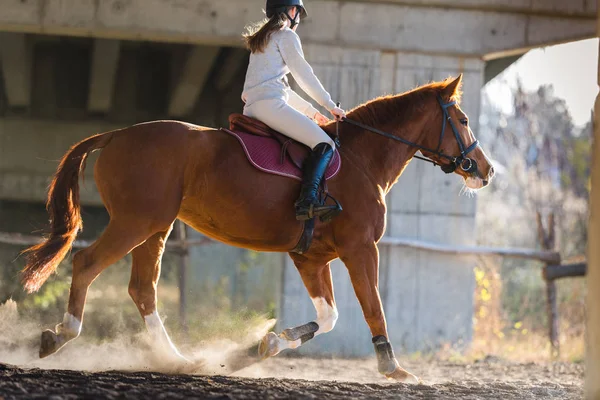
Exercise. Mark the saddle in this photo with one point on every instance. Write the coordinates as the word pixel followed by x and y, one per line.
pixel 272 152
pixel 296 151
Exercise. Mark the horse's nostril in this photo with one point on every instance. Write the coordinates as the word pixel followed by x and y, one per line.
pixel 485 183
pixel 492 172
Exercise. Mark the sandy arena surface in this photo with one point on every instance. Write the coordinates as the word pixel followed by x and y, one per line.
pixel 305 378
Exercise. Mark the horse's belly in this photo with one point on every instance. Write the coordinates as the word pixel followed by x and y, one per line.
pixel 241 206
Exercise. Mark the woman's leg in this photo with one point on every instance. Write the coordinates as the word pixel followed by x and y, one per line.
pixel 282 117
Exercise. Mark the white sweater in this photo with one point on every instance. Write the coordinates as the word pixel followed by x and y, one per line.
pixel 266 76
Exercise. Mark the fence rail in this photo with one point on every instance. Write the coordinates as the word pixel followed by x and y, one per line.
pixel 550 257
pixel 543 256
pixel 28 240
pixel 552 272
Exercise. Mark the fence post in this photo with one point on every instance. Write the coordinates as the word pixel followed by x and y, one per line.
pixel 183 272
pixel 547 239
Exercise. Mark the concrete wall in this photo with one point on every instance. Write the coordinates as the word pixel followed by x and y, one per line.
pixel 29 155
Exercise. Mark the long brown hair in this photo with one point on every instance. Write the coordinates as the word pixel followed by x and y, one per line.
pixel 257 35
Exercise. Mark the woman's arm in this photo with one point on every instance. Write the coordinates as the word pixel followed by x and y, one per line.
pixel 300 104
pixel 290 48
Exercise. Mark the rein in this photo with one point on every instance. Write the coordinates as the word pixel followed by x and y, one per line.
pixel 466 164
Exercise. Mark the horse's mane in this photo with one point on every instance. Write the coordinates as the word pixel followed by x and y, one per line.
pixel 392 107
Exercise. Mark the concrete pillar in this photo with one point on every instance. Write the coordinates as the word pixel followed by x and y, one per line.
pixel 105 61
pixel 351 76
pixel 425 204
pixel 592 389
pixel 191 81
pixel 16 57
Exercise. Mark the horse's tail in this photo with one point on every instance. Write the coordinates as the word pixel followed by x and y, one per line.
pixel 65 216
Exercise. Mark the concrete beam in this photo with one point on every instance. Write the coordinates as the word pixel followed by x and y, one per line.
pixel 236 59
pixel 567 9
pixel 495 67
pixel 454 31
pixel 16 56
pixel 191 81
pixel 105 61
pixel 467 29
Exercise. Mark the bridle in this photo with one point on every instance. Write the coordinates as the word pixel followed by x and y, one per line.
pixel 466 164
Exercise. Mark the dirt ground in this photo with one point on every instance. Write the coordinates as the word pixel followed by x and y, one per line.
pixel 305 378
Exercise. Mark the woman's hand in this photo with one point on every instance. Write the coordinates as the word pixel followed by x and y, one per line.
pixel 320 118
pixel 338 113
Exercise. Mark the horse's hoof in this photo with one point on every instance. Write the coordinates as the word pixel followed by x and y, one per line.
pixel 49 343
pixel 402 375
pixel 268 346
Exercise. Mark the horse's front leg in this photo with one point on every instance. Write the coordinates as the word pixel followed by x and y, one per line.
pixel 317 279
pixel 362 262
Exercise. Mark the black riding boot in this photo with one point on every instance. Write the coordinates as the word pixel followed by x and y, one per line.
pixel 308 204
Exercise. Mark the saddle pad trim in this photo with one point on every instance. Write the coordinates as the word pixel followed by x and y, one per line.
pixel 270 171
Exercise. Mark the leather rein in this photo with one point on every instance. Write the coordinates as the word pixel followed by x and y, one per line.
pixel 466 164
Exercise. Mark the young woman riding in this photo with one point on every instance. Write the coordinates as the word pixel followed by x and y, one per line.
pixel 276 50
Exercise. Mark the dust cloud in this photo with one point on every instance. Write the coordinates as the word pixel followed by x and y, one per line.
pixel 20 340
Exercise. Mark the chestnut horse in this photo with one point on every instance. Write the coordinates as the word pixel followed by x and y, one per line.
pixel 150 174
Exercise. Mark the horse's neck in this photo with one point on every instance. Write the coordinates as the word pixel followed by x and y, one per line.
pixel 382 157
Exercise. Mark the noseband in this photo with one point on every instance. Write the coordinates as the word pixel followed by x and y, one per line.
pixel 468 165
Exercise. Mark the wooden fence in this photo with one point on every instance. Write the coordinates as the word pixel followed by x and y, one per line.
pixel 552 270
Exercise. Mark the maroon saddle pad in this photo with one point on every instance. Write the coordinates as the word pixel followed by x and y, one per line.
pixel 271 151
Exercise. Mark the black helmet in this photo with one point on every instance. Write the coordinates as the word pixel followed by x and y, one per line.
pixel 276 6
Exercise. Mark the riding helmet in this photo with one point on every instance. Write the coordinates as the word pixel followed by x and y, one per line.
pixel 277 6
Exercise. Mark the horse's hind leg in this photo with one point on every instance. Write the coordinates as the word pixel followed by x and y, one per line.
pixel 316 276
pixel 116 241
pixel 145 273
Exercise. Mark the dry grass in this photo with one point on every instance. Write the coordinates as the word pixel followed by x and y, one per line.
pixel 526 340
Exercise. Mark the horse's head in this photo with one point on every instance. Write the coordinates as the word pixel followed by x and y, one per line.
pixel 449 133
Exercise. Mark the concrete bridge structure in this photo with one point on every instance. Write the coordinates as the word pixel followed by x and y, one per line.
pixel 71 68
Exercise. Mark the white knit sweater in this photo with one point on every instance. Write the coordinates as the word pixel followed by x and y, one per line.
pixel 266 76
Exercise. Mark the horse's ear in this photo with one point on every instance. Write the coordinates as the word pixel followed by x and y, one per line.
pixel 453 89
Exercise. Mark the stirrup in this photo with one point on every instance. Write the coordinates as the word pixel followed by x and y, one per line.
pixel 329 215
pixel 316 210
pixel 325 212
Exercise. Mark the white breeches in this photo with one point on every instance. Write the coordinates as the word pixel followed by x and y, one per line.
pixel 282 117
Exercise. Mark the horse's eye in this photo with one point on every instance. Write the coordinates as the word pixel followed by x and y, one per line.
pixel 464 121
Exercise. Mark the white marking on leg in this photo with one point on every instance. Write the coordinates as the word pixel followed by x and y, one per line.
pixel 67 330
pixel 287 344
pixel 159 334
pixel 326 319
pixel 326 315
